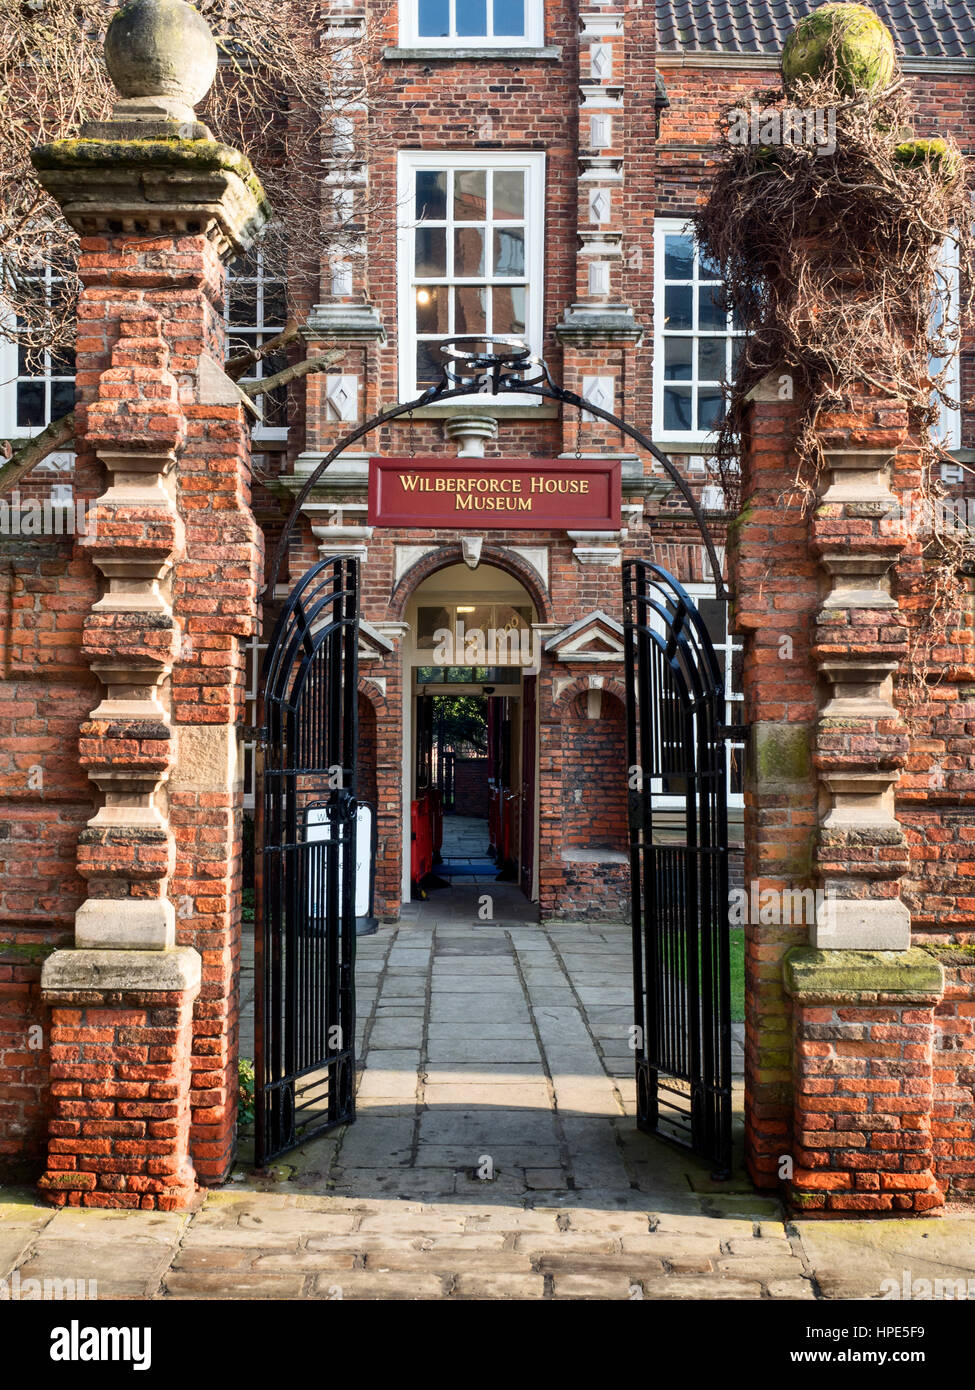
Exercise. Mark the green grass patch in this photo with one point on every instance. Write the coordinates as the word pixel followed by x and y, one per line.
pixel 737 962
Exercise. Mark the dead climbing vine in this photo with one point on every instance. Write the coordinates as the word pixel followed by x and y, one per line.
pixel 833 263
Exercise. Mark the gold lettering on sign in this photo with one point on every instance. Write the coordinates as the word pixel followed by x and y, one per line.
pixel 493 493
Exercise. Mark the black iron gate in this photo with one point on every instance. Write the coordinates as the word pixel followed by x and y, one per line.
pixel 676 751
pixel 305 863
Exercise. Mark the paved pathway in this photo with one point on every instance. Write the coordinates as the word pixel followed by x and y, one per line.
pixel 495 1156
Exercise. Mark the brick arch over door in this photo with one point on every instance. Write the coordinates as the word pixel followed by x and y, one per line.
pixel 453 554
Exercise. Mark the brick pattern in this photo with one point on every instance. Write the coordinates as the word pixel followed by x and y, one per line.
pixel 470 787
pixel 774 579
pixel 120 1113
pixel 863 1099
pixel 953 1106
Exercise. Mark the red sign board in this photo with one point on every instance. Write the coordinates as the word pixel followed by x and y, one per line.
pixel 506 494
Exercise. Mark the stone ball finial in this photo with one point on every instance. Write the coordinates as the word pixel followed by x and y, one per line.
pixel 162 58
pixel 849 41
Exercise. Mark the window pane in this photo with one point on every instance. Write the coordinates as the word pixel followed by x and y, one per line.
pixel 509 251
pixel 678 257
pixel 713 611
pixel 708 269
pixel 434 19
pixel 677 358
pixel 274 408
pixel 275 307
pixel 677 408
pixel 710 409
pixel 509 310
pixel 243 302
pixel 62 361
pixel 30 403
pixel 470 195
pixel 431 309
pixel 470 309
pixel 62 398
pixel 471 17
pixel 428 622
pixel 431 194
pixel 431 251
pixel 678 306
pixel 509 18
pixel 737 669
pixel 429 364
pixel 711 353
pixel 469 251
pixel 737 348
pixel 712 307
pixel 509 192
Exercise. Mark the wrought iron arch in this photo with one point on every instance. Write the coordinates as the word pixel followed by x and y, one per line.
pixel 473 374
pixel 677 768
pixel 307 808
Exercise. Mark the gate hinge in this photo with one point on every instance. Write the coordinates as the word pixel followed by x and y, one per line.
pixel 251 733
pixel 734 733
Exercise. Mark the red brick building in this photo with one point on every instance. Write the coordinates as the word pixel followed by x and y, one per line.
pixel 542 162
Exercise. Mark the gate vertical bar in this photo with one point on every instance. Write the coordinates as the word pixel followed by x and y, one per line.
pixel 678 865
pixel 305 948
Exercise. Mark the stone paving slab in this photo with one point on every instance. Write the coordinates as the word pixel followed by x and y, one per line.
pixel 853 1259
pixel 477 1044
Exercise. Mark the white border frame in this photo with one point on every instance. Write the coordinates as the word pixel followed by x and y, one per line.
pixel 949 264
pixel 662 227
pixel 409 23
pixel 409 162
pixel 736 800
pixel 260 433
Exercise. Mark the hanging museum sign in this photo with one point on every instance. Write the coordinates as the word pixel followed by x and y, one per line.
pixel 525 494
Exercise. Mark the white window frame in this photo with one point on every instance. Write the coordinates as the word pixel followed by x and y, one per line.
pixel 662 228
pixel 410 37
pixel 736 699
pixel 9 377
pixel 253 660
pixel 950 436
pixel 411 162
pixel 260 432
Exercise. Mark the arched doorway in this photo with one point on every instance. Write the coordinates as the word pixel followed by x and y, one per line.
pixel 470 736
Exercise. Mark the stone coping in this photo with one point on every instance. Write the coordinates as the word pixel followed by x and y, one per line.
pixel 206 154
pixel 879 976
pixel 81 971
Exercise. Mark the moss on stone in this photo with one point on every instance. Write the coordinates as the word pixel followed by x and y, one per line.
pixel 781 753
pixel 159 152
pixel 848 42
pixel 34 953
pixel 810 971
pixel 913 154
pixel 951 954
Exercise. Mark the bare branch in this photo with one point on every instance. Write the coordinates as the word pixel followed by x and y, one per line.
pixel 293 373
pixel 237 366
pixel 35 451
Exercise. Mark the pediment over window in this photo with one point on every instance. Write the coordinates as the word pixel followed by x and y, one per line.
pixel 596 637
pixel 373 646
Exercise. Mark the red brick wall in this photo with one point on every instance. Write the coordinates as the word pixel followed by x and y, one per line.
pixel 46 690
pixel 594 776
pixel 470 786
pixel 953 1110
